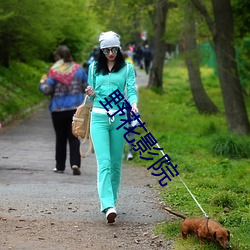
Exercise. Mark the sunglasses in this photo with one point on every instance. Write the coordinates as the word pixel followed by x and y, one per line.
pixel 106 51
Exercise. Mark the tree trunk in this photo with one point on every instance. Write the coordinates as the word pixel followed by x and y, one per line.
pixel 201 99
pixel 159 47
pixel 235 109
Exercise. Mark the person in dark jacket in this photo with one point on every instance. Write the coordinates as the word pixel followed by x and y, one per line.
pixel 147 54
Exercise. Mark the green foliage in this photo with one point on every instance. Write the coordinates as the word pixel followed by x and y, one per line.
pixel 231 146
pixel 176 18
pixel 28 33
pixel 19 87
pixel 241 17
pixel 219 183
pixel 224 200
pixel 175 24
pixel 210 129
pixel 128 18
pixel 243 60
pixel 170 230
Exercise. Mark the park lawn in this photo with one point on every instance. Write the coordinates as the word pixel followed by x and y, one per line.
pixel 220 182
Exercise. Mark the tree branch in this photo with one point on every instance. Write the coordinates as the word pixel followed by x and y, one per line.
pixel 172 5
pixel 202 9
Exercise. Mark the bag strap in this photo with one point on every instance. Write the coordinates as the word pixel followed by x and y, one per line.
pixel 85 99
pixel 126 82
pixel 93 70
pixel 85 139
pixel 127 74
pixel 93 73
pixel 91 148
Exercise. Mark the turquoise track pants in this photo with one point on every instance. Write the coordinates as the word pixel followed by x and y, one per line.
pixel 108 145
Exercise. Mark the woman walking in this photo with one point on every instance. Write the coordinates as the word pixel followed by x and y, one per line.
pixel 65 84
pixel 107 74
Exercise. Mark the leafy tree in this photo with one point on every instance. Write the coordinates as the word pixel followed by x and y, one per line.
pixel 242 33
pixel 22 35
pixel 28 33
pixel 156 72
pixel 201 99
pixel 241 18
pixel 181 29
pixel 126 17
pixel 175 24
pixel 221 28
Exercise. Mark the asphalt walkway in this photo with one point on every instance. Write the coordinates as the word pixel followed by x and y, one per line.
pixel 31 190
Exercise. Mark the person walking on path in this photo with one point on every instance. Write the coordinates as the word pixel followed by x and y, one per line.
pixel 107 74
pixel 147 54
pixel 65 84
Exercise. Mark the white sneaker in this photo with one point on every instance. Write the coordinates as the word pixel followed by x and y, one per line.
pixel 129 156
pixel 76 170
pixel 111 214
pixel 134 123
pixel 58 171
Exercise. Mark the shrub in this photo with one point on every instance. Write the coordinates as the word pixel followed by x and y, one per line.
pixel 231 146
pixel 223 200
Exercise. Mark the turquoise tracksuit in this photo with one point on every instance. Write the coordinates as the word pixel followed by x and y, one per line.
pixel 108 141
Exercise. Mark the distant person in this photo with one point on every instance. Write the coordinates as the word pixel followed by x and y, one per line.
pixel 147 54
pixel 65 84
pixel 138 56
pixel 130 52
pixel 93 55
pixel 109 74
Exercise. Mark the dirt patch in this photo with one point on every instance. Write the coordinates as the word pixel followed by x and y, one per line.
pixel 50 234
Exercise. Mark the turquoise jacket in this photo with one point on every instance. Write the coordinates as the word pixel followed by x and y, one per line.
pixel 104 85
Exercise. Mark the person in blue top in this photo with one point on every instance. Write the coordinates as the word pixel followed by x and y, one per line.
pixel 107 74
pixel 65 83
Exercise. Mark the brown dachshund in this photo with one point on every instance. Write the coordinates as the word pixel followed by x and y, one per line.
pixel 204 229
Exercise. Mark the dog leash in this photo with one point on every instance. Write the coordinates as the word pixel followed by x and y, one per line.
pixel 194 198
pixel 205 214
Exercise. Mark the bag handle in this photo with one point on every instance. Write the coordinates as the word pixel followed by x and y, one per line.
pixel 85 139
pixel 126 82
pixel 85 99
pixel 91 148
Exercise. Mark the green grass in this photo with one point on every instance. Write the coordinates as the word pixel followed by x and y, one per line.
pixel 214 164
pixel 19 87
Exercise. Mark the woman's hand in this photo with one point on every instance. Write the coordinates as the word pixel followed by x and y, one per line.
pixel 90 91
pixel 134 108
pixel 43 79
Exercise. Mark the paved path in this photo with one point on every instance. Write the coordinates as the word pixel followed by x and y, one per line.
pixel 26 163
pixel 141 78
pixel 30 190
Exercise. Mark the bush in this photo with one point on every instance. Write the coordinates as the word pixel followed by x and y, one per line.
pixel 19 88
pixel 224 200
pixel 231 146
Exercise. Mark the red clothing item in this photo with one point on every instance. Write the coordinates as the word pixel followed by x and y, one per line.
pixel 63 72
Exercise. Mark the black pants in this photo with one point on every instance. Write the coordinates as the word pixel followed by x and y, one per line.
pixel 62 122
pixel 147 65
